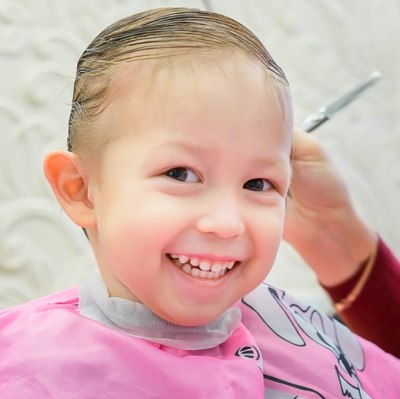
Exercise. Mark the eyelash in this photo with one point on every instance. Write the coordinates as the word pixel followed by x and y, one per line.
pixel 174 174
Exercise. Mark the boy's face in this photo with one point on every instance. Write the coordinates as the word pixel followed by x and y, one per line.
pixel 190 196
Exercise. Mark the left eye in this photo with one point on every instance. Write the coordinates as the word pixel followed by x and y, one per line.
pixel 182 174
pixel 258 185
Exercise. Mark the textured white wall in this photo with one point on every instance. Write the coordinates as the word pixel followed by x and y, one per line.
pixel 325 47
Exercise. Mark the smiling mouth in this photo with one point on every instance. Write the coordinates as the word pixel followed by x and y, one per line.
pixel 202 268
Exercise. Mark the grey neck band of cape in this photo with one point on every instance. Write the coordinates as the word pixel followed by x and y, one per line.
pixel 133 318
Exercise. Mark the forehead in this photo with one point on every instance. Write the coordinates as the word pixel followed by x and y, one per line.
pixel 229 110
pixel 183 77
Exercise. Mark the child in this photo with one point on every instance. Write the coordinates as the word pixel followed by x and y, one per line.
pixel 178 169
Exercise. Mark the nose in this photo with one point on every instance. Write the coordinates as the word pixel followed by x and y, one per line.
pixel 223 220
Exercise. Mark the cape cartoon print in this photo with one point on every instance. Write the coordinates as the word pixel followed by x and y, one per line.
pixel 310 355
pixel 281 349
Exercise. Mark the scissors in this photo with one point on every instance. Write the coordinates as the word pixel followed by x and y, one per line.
pixel 325 113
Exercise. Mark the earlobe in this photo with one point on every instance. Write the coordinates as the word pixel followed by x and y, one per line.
pixel 70 186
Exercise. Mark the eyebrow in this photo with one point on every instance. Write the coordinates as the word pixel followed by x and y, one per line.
pixel 261 162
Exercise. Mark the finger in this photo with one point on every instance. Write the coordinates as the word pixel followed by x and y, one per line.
pixel 306 147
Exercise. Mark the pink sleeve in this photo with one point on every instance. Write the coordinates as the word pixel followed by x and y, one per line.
pixel 375 314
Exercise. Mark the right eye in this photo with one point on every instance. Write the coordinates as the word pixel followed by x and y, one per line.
pixel 182 174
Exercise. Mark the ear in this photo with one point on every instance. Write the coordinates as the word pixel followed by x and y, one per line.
pixel 70 186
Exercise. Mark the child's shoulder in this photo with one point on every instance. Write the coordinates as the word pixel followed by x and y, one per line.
pixel 49 309
pixel 66 297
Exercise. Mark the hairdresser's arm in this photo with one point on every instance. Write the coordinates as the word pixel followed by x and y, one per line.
pixel 322 224
pixel 375 314
pixel 324 228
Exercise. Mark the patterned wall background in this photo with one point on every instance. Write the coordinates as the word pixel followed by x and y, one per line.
pixel 324 46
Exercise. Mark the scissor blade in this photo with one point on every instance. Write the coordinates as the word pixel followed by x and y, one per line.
pixel 346 99
pixel 325 113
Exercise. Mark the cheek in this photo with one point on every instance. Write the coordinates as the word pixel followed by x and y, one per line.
pixel 270 220
pixel 268 235
pixel 136 234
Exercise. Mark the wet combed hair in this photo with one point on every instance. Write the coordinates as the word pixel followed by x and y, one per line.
pixel 153 34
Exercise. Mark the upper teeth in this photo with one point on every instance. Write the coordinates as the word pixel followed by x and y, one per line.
pixel 204 264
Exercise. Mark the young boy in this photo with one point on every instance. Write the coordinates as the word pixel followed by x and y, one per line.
pixel 178 170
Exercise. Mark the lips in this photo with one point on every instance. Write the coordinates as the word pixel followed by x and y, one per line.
pixel 201 267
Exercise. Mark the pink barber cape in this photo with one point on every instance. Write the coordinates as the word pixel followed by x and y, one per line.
pixel 281 349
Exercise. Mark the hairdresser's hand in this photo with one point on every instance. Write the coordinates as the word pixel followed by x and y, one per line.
pixel 321 223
